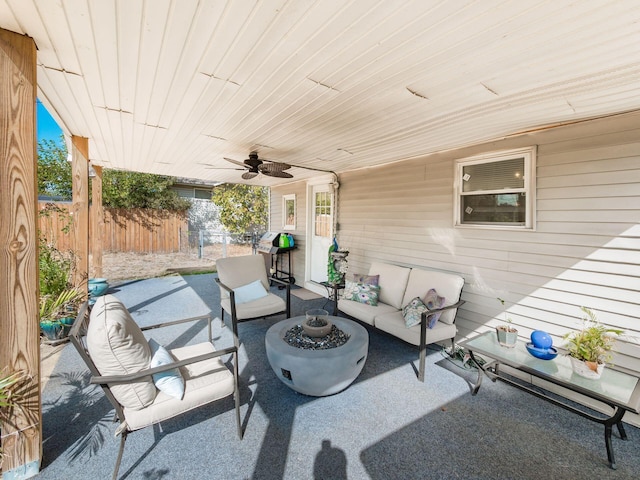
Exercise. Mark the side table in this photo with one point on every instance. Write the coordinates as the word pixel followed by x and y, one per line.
pixel 332 293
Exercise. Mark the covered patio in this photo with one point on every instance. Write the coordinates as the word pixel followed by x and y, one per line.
pixel 366 112
pixel 387 424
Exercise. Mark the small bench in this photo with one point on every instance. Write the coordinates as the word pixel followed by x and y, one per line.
pixel 398 287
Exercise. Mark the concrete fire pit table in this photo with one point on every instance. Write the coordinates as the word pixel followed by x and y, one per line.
pixel 317 372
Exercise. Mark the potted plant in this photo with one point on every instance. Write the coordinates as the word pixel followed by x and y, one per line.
pixel 589 348
pixel 507 334
pixel 57 312
pixel 14 390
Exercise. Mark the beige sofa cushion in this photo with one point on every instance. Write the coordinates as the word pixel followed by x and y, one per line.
pixel 363 312
pixel 118 347
pixel 392 282
pixel 394 324
pixel 447 285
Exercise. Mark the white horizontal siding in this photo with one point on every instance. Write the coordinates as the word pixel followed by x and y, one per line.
pixel 299 234
pixel 585 249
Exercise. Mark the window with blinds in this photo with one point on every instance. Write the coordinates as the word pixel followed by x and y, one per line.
pixel 496 189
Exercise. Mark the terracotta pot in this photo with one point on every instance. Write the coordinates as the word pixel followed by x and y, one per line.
pixel 590 370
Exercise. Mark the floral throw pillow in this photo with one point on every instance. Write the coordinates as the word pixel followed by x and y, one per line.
pixel 362 293
pixel 412 312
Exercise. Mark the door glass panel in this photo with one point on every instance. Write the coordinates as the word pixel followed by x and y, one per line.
pixel 322 221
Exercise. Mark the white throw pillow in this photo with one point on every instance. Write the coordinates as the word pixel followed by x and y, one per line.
pixel 250 292
pixel 171 381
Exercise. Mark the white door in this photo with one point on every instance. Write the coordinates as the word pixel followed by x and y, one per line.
pixel 321 210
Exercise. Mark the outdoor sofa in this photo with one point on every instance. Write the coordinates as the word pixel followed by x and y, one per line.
pixel 416 305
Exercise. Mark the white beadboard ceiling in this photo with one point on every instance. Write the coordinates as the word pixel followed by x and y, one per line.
pixel 174 86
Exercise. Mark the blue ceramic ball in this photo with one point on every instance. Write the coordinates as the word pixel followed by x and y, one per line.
pixel 541 339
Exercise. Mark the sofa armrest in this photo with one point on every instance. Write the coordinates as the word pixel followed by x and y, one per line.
pixel 423 334
pixel 437 310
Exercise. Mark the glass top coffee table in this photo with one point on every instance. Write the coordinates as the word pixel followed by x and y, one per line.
pixel 618 390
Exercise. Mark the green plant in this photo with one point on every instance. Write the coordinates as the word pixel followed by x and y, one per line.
pixel 12 395
pixel 53 308
pixel 507 320
pixel 56 267
pixel 594 341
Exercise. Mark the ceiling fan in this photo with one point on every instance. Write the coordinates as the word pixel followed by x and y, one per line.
pixel 253 166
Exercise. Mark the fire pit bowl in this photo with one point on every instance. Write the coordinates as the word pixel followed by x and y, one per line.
pixel 317 373
pixel 317 323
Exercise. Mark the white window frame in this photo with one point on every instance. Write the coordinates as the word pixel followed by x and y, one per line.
pixel 529 154
pixel 289 198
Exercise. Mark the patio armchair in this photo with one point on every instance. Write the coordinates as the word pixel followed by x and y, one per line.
pixel 244 290
pixel 146 383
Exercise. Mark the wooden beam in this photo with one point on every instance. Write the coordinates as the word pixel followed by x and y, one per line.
pixel 80 208
pixel 97 222
pixel 19 324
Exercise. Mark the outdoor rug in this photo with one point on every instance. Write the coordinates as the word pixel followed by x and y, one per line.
pixel 304 294
pixel 386 426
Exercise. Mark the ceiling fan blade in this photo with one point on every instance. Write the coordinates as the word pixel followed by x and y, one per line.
pixel 274 167
pixel 277 174
pixel 249 175
pixel 235 161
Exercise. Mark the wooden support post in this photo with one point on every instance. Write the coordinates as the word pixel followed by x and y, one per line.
pixel 19 324
pixel 80 208
pixel 97 222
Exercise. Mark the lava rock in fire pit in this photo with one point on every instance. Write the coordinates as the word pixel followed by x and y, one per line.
pixel 297 338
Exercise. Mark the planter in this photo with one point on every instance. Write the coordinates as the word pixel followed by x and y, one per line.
pixel 507 338
pixel 586 369
pixel 97 286
pixel 51 330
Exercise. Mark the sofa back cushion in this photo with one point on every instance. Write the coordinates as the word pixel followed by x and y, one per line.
pixel 393 282
pixel 447 285
pixel 118 347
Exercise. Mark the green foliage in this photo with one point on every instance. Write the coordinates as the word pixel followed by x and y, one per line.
pixel 244 208
pixel 53 308
pixel 507 319
pixel 593 342
pixel 56 268
pixel 122 189
pixel 54 171
pixel 14 391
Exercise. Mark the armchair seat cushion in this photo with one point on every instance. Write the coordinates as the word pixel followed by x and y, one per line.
pixel 257 308
pixel 205 382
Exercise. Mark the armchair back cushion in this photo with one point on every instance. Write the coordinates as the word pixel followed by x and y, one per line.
pixel 117 346
pixel 239 271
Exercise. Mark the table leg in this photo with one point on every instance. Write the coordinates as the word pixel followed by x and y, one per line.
pixel 476 387
pixel 335 301
pixel 616 419
pixel 607 441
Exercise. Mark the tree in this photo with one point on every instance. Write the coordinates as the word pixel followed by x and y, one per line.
pixel 54 171
pixel 120 189
pixel 243 208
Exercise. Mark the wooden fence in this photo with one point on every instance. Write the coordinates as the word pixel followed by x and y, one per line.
pixel 125 230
